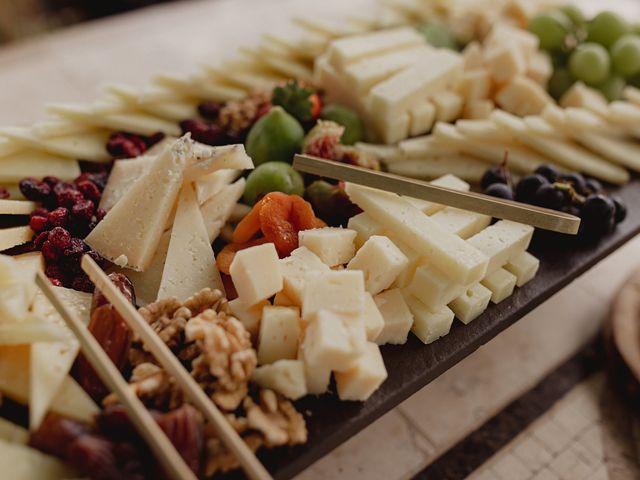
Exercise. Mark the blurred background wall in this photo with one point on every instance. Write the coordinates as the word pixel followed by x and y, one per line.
pixel 23 18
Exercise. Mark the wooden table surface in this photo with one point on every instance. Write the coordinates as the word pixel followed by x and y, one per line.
pixel 70 65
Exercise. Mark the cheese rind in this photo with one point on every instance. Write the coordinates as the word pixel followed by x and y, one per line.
pixel 381 261
pixel 397 317
pixel 256 273
pixel 279 333
pixel 364 378
pixel 334 246
pixel 429 326
pixel 448 252
pixel 471 303
pixel 501 283
pixel 284 376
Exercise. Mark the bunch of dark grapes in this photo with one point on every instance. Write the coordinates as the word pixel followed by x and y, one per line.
pixel 566 192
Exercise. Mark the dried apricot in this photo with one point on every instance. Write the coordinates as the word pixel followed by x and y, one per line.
pixel 249 226
pixel 302 216
pixel 276 224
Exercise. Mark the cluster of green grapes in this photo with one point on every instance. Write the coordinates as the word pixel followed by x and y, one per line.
pixel 603 52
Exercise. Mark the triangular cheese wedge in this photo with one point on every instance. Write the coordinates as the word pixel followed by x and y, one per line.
pixel 213 159
pixel 131 231
pixel 30 330
pixel 191 264
pixel 147 283
pixel 217 209
pixel 211 184
pixel 123 175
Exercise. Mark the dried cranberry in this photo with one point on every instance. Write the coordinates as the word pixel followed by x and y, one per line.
pixel 100 214
pixel 4 193
pixel 82 283
pixel 60 238
pixel 38 224
pixel 99 179
pixel 40 212
pixel 59 217
pixel 126 145
pixel 56 282
pixel 76 247
pixel 39 240
pixel 54 272
pixel 202 132
pixel 155 138
pixel 50 252
pixel 90 191
pixel 209 110
pixel 60 186
pixel 34 190
pixel 69 197
pixel 83 210
pixel 51 181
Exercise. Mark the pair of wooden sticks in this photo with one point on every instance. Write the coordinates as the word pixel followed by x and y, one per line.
pixel 164 451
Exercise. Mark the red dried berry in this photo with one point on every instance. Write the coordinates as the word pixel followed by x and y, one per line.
pixel 82 283
pixel 54 272
pixel 56 283
pixel 39 240
pixel 83 210
pixel 38 224
pixel 202 131
pixel 153 139
pixel 90 191
pixel 4 193
pixel 34 190
pixel 126 145
pixel 40 212
pixel 51 180
pixel 100 214
pixel 209 110
pixel 59 217
pixel 61 186
pixel 60 238
pixel 76 248
pixel 50 253
pixel 69 197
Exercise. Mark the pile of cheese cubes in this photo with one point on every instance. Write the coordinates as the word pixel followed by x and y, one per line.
pixel 403 265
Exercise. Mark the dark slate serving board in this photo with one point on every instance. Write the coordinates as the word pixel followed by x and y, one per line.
pixel 414 365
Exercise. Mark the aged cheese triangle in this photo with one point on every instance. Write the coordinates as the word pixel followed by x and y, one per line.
pixel 217 209
pixel 123 175
pixel 190 264
pixel 213 159
pixel 147 283
pixel 131 231
pixel 11 237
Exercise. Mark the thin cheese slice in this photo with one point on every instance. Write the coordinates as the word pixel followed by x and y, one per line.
pixel 12 237
pixel 147 283
pixel 176 111
pixel 212 184
pixel 123 175
pixel 462 166
pixel 623 152
pixel 202 88
pixel 16 207
pixel 448 252
pixel 285 66
pixel 134 226
pixel 30 163
pixel 213 159
pixel 217 210
pixel 191 264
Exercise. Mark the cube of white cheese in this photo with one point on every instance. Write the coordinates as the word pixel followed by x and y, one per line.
pixel 475 85
pixel 280 329
pixel 524 266
pixel 373 321
pixel 505 61
pixel 448 106
pixel 461 222
pixel 364 378
pixel 295 269
pixel 397 317
pixel 380 261
pixel 522 96
pixel 423 116
pixel 284 376
pixel 433 288
pixel 448 252
pixel 540 68
pixel 471 303
pixel 473 56
pixel 501 283
pixel 581 96
pixel 429 326
pixel 256 273
pixel 413 257
pixel 504 33
pixel 334 246
pixel 329 341
pixel 478 109
pixel 501 242
pixel 339 292
pixel 249 315
pixel 390 130
pixel 364 226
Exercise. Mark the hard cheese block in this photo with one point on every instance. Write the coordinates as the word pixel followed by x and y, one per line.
pixel 524 266
pixel 279 334
pixel 190 265
pixel 256 273
pixel 296 268
pixel 429 326
pixel 502 241
pixel 501 283
pixel 132 229
pixel 461 222
pixel 471 303
pixel 381 261
pixel 284 376
pixel 364 378
pixel 462 262
pixel 334 246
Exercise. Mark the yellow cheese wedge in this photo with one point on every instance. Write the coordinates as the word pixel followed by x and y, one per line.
pixel 522 96
pixel 19 462
pixel 448 252
pixel 16 207
pixel 30 163
pixel 190 265
pixel 123 175
pixel 212 184
pixel 134 226
pixel 284 376
pixel 70 400
pixel 12 237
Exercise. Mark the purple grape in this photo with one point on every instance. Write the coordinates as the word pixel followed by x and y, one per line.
pixel 576 180
pixel 594 186
pixel 548 171
pixel 598 216
pixel 621 209
pixel 528 186
pixel 492 176
pixel 549 196
pixel 499 190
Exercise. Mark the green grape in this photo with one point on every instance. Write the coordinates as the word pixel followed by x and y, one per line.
pixel 551 28
pixel 612 88
pixel 635 28
pixel 272 177
pixel 590 63
pixel 625 55
pixel 350 120
pixel 606 28
pixel 560 82
pixel 575 14
pixel 438 35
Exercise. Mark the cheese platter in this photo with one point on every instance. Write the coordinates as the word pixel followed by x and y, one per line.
pixel 306 304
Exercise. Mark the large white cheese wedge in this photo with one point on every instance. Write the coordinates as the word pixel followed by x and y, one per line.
pixel 448 252
pixel 123 175
pixel 256 273
pixel 501 242
pixel 365 377
pixel 334 246
pixel 134 226
pixel 147 283
pixel 471 304
pixel 16 207
pixel 296 268
pixel 348 50
pixel 213 159
pixel 381 261
pixel 30 163
pixel 210 185
pixel 190 265
pixel 284 376
pixel 280 329
pixel 501 283
pixel 397 317
pixel 429 326
pixel 217 210
pixel 524 266
pixel 20 462
pixel 462 166
pixel 429 76
pixel 12 237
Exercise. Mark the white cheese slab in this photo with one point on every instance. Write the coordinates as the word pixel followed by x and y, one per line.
pixel 12 237
pixel 397 317
pixel 448 252
pixel 433 287
pixel 462 166
pixel 448 181
pixel 147 283
pixel 365 377
pixel 461 222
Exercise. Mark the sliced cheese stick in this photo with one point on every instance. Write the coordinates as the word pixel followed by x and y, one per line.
pixel 501 242
pixel 462 262
pixel 429 326
pixel 12 237
pixel 471 304
pixel 385 153
pixel 59 128
pixel 617 150
pixel 565 153
pixel 176 110
pixel 135 122
pixel 579 120
pixel 501 283
pixel 461 222
pixel 484 130
pixel 448 181
pixel 462 166
pixel 29 163
pixel 632 94
pixel 16 207
pixel 425 147
pixel 524 266
pixel 308 45
pixel 90 145
pixel 190 265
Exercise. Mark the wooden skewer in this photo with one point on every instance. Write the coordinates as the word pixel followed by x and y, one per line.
pixel 162 448
pixel 250 463
pixel 543 218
